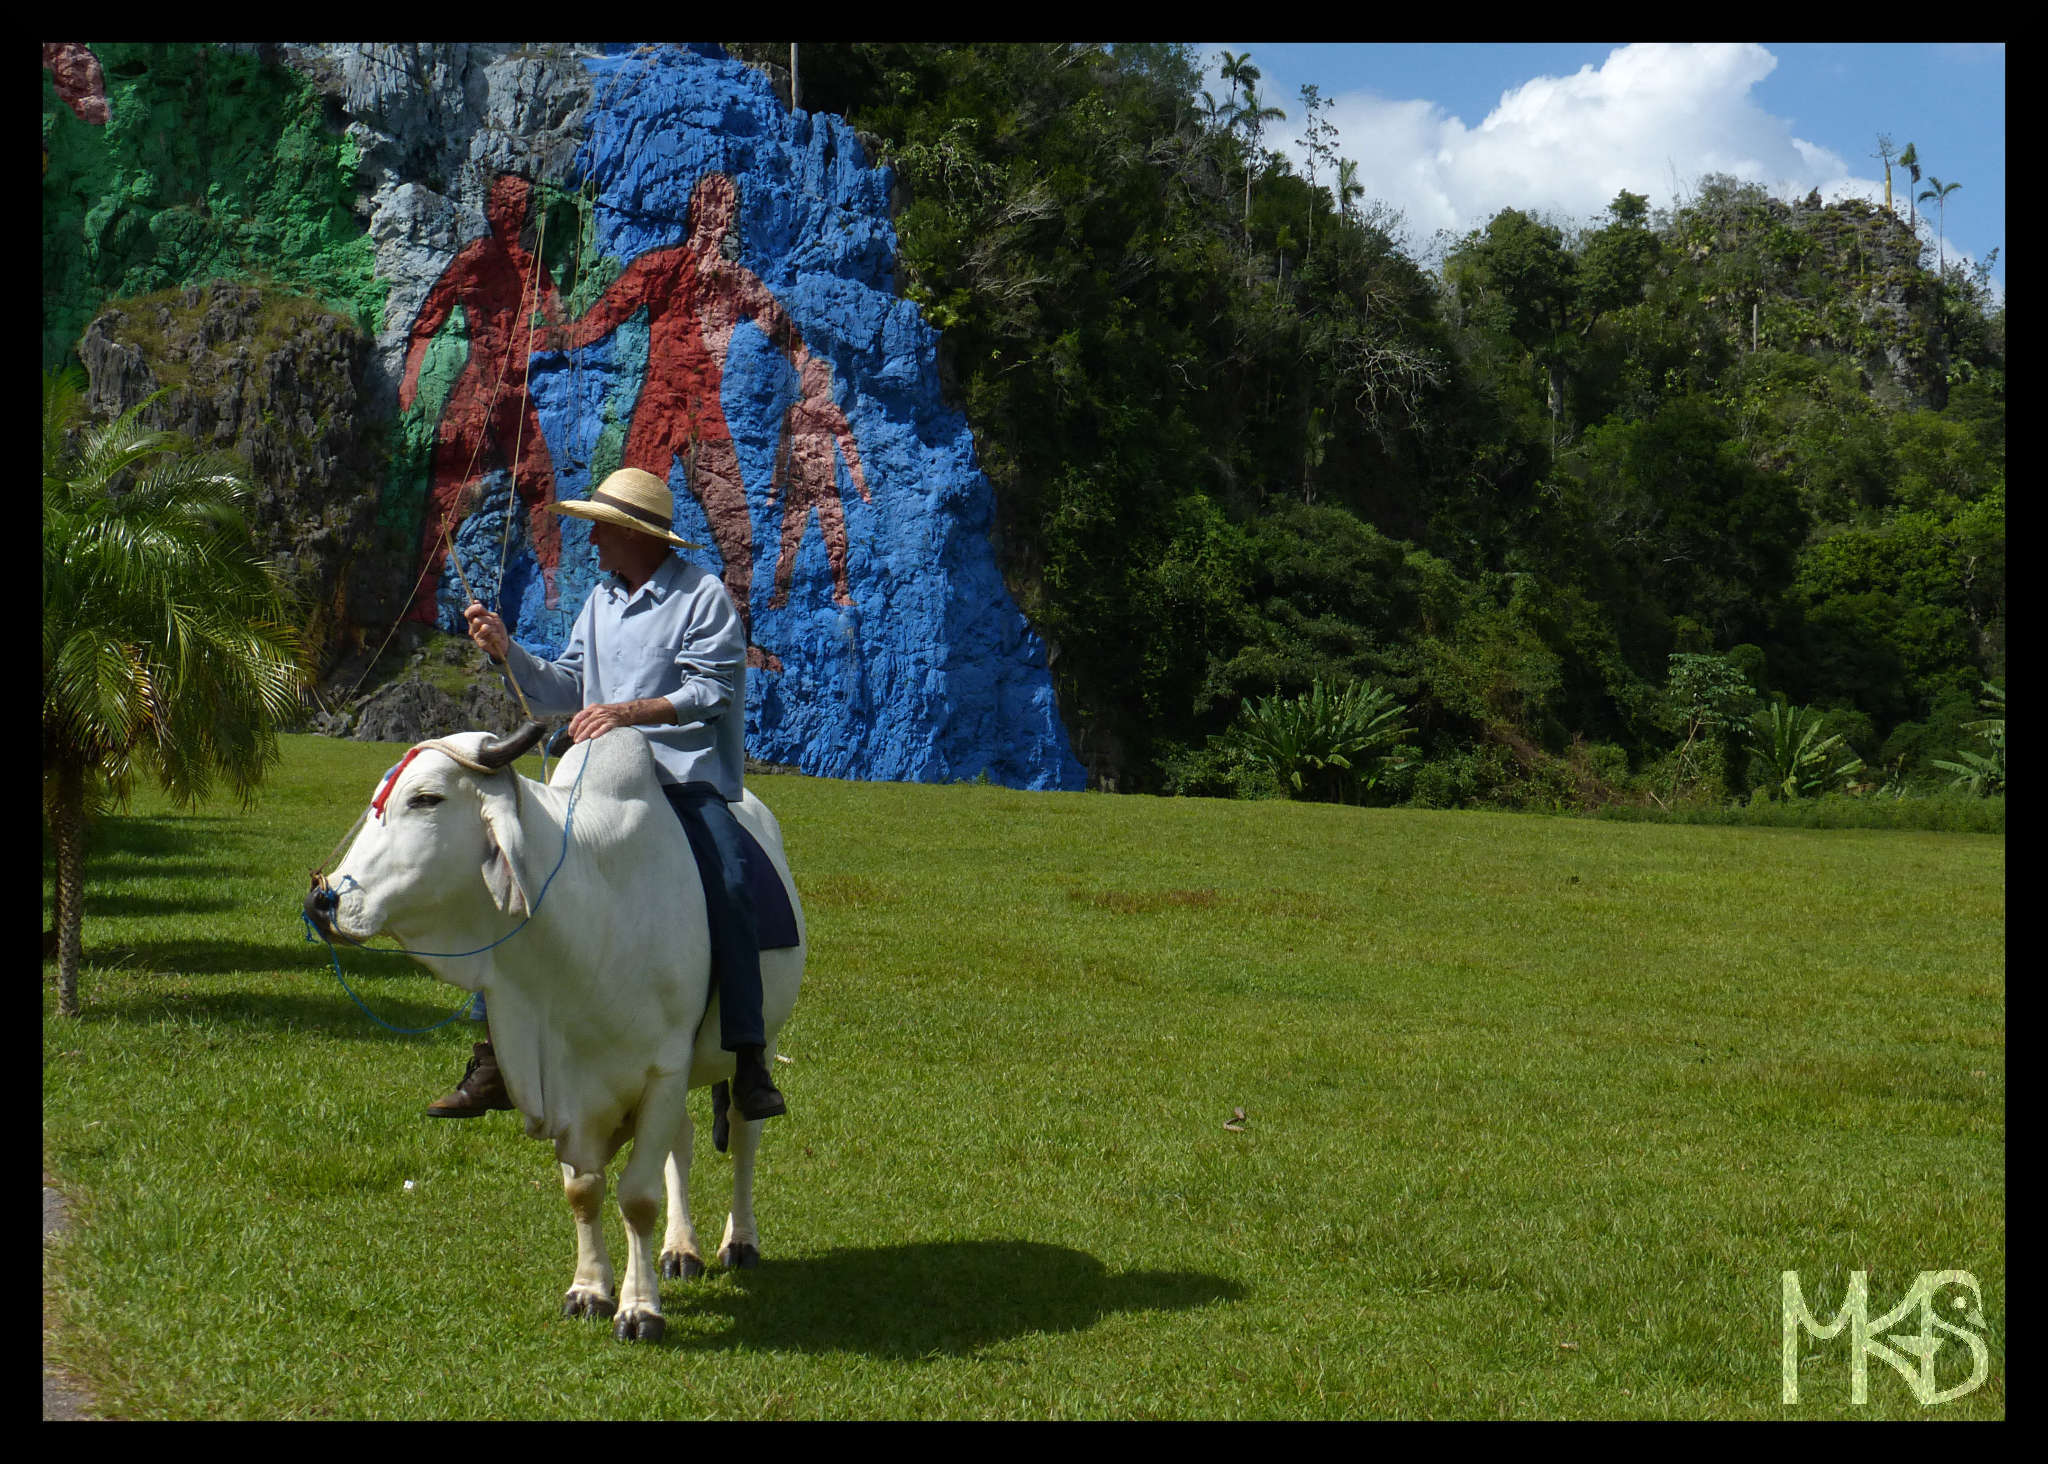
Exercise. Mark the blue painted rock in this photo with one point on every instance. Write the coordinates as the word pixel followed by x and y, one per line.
pixel 751 350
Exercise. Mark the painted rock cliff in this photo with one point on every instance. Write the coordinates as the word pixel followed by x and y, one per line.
pixel 596 257
pixel 716 305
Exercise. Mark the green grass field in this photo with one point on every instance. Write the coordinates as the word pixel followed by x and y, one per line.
pixel 1538 1110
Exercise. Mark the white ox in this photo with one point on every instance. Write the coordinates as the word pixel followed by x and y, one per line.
pixel 601 1009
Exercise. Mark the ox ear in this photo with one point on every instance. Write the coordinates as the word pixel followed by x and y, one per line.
pixel 503 848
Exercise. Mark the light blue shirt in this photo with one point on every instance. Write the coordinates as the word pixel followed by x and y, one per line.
pixel 678 637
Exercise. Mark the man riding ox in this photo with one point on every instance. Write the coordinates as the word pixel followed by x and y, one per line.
pixel 575 907
pixel 600 1004
pixel 659 646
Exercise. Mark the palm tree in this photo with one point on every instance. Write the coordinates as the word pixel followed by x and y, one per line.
pixel 1255 117
pixel 1348 186
pixel 1238 71
pixel 1939 193
pixel 166 645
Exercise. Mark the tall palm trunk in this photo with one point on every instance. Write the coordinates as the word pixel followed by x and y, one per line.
pixel 68 825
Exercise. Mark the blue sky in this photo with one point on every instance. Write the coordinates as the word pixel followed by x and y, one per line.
pixel 1451 134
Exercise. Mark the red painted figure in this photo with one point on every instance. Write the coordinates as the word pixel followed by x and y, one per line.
pixel 81 85
pixel 487 418
pixel 694 298
pixel 807 471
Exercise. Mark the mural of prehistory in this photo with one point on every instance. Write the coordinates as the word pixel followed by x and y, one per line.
pixel 591 257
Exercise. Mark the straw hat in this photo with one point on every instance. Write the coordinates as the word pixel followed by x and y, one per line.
pixel 632 499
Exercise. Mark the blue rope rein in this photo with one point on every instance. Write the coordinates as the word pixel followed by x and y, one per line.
pixel 313 936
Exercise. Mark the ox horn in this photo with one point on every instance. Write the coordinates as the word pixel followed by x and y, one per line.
pixel 499 751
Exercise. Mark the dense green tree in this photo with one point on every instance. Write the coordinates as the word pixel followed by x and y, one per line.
pixel 1229 466
pixel 1516 278
pixel 1685 520
pixel 1618 261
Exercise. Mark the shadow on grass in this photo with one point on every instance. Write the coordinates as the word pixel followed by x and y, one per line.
pixel 128 847
pixel 262 1000
pixel 149 906
pixel 257 958
pixel 910 1301
pixel 330 1013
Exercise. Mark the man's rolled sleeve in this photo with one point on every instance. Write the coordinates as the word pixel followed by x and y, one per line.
pixel 710 668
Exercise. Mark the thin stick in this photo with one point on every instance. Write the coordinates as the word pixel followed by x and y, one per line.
pixel 499 661
pixel 533 308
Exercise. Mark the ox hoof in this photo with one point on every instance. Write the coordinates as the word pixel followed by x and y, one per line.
pixel 638 1327
pixel 740 1257
pixel 587 1304
pixel 680 1265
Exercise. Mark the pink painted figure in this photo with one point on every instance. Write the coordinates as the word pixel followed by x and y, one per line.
pixel 694 298
pixel 486 418
pixel 807 471
pixel 80 84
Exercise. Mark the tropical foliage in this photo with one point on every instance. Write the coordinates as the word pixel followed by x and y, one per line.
pixel 1322 744
pixel 168 649
pixel 1796 757
pixel 1243 441
pixel 1977 772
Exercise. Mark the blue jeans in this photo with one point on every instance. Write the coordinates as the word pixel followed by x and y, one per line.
pixel 717 843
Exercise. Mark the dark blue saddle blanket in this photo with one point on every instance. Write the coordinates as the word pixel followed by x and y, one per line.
pixel 774 918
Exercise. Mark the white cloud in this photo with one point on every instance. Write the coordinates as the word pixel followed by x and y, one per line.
pixel 1651 119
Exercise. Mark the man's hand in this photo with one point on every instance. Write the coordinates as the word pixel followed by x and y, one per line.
pixel 488 631
pixel 595 721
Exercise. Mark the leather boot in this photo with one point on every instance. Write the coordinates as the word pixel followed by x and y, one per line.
pixel 754 1094
pixel 481 1090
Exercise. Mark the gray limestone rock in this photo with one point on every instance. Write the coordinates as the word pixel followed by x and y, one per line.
pixel 435 122
pixel 412 709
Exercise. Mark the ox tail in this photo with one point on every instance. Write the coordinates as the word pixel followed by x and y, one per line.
pixel 721 1122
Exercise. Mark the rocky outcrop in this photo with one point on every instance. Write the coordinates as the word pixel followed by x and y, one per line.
pixel 1840 278
pixel 277 380
pixel 887 643
pixel 78 79
pixel 412 709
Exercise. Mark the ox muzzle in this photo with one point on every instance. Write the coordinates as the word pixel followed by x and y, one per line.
pixel 321 903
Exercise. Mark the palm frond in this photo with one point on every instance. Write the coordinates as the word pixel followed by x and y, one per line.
pixel 166 640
